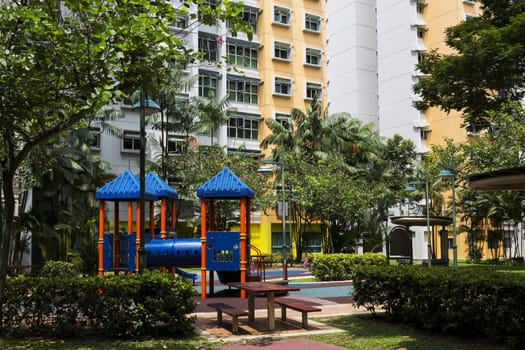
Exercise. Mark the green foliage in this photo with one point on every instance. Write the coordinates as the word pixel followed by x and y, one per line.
pixel 340 267
pixel 59 269
pixel 113 306
pixel 456 301
pixel 461 80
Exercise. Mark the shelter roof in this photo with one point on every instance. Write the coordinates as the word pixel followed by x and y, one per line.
pixel 126 186
pixel 159 187
pixel 225 184
pixel 497 180
pixel 421 220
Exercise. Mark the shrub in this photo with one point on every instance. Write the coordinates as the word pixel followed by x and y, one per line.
pixel 113 306
pixel 462 301
pixel 59 269
pixel 339 267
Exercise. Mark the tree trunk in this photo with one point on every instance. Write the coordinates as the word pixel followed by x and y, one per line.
pixel 8 210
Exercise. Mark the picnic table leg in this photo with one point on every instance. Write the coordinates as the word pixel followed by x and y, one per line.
pixel 251 307
pixel 271 311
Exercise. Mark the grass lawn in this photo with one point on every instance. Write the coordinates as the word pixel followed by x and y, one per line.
pixel 363 332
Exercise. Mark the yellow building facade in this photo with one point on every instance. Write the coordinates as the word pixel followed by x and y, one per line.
pixel 438 16
pixel 292 68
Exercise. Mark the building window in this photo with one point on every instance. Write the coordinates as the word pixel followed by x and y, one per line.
pixel 277 242
pixel 248 15
pixel 94 138
pixel 420 7
pixel 314 90
pixel 424 133
pixel 181 23
pixel 282 86
pixel 208 46
pixel 207 85
pixel 282 50
pixel 243 91
pixel 244 126
pixel 312 242
pixel 420 32
pixel 420 56
pixel 281 15
pixel 211 3
pixel 176 145
pixel 312 23
pixel 242 55
pixel 284 119
pixel 131 141
pixel 313 57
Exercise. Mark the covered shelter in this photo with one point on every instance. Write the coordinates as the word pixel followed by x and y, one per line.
pixel 224 185
pixel 443 221
pixel 498 180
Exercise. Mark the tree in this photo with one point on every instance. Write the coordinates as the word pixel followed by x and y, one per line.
pixel 212 114
pixel 64 60
pixel 486 68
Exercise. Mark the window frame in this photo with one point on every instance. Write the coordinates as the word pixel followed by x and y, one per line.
pixel 282 47
pixel 311 86
pixel 176 140
pixel 242 124
pixel 243 91
pixel 278 13
pixel 285 119
pixel 207 45
pixel 133 137
pixel 311 19
pixel 318 54
pixel 202 88
pixel 280 82
pixel 246 57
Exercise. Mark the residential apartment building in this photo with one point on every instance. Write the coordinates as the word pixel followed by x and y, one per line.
pixel 376 45
pixel 281 68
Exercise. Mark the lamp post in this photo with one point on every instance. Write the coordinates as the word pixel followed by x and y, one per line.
pixel 146 107
pixel 283 211
pixel 448 173
pixel 411 187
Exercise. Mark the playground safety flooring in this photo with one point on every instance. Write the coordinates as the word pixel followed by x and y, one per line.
pixel 333 298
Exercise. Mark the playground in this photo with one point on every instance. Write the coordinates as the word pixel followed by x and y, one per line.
pixel 225 259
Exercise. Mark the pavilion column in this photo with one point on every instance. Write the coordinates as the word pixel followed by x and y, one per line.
pixel 101 239
pixel 243 245
pixel 173 213
pixel 151 219
pixel 137 238
pixel 203 248
pixel 163 218
pixel 116 245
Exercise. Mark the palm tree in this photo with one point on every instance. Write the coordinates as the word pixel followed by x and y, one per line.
pixel 212 114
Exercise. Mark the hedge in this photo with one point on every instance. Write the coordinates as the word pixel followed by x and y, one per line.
pixel 456 301
pixel 114 306
pixel 339 267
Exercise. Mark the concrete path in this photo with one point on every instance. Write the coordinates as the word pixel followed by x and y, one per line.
pixel 331 297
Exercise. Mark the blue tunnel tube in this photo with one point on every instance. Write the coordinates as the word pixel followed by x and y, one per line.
pixel 183 252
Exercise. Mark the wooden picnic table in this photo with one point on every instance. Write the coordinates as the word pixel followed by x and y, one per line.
pixel 267 288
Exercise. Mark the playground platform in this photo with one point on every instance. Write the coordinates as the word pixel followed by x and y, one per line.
pixel 333 298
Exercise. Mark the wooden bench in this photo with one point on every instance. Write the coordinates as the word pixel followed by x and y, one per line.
pixel 297 306
pixel 229 310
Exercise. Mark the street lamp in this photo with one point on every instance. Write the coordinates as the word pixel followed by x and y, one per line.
pixel 283 207
pixel 146 107
pixel 411 187
pixel 448 173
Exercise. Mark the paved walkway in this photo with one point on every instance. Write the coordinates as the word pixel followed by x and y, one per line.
pixel 333 298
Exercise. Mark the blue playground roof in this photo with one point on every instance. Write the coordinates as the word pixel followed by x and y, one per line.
pixel 225 185
pixel 159 187
pixel 126 186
